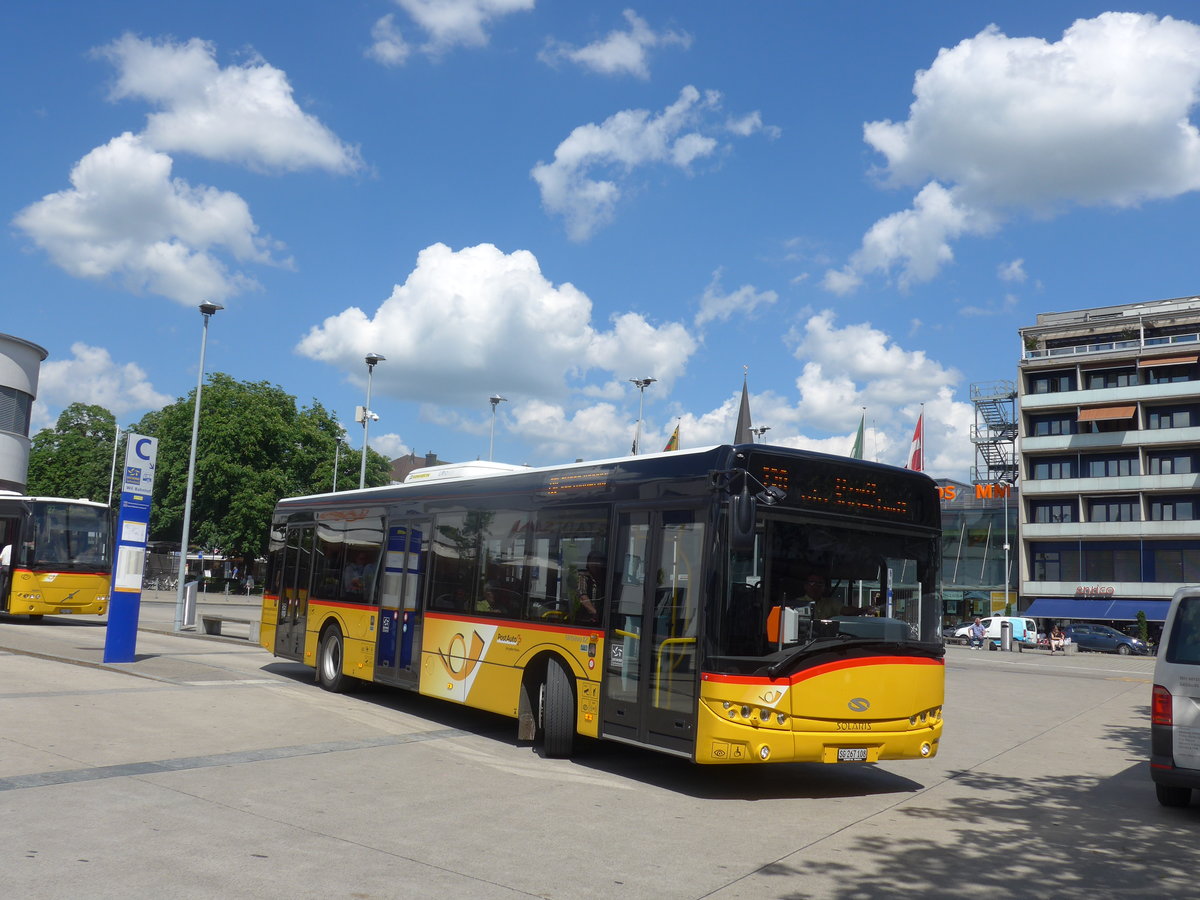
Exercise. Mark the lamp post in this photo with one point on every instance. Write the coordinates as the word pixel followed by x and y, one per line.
pixel 759 432
pixel 207 310
pixel 495 400
pixel 641 384
pixel 372 359
pixel 1007 486
pixel 337 452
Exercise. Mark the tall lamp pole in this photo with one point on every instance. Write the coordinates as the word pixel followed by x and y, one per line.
pixel 1007 485
pixel 641 384
pixel 495 400
pixel 337 452
pixel 207 310
pixel 372 359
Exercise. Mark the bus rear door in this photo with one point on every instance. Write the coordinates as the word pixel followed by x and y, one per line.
pixel 651 665
pixel 398 651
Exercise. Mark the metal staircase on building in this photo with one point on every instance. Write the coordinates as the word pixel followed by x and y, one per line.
pixel 994 433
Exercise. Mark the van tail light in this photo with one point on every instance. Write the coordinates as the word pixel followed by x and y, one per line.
pixel 1160 706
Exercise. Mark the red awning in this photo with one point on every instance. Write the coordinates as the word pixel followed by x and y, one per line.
pixel 1106 413
pixel 1166 361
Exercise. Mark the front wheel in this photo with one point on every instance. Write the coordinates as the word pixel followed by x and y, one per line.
pixel 1123 649
pixel 1168 795
pixel 558 712
pixel 331 656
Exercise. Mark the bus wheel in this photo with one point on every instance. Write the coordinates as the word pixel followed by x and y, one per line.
pixel 558 712
pixel 37 618
pixel 330 657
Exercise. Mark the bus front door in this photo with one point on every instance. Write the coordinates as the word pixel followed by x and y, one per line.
pixel 293 593
pixel 398 651
pixel 651 670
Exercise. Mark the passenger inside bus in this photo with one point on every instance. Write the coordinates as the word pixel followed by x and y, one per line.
pixel 590 602
pixel 359 575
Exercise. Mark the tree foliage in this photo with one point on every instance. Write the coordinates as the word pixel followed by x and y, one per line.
pixel 254 447
pixel 75 457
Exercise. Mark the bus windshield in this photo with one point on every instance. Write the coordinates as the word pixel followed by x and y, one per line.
pixel 808 587
pixel 68 537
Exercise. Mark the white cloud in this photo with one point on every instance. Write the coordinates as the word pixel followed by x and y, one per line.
pixel 451 23
pixel 619 52
pixel 468 323
pixel 1002 126
pixel 389 47
pixel 390 445
pixel 716 306
pixel 616 147
pixel 1012 271
pixel 92 376
pixel 241 114
pixel 125 217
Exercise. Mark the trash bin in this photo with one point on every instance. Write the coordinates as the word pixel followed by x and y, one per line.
pixel 1006 635
pixel 189 605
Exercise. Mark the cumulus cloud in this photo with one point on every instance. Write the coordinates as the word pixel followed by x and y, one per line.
pixel 1002 126
pixel 390 445
pixel 92 376
pixel 126 217
pixel 1012 271
pixel 242 114
pixel 717 306
pixel 471 322
pixel 389 46
pixel 678 136
pixel 618 52
pixel 451 23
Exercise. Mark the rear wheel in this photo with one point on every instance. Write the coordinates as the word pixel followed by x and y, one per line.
pixel 1169 795
pixel 331 656
pixel 558 712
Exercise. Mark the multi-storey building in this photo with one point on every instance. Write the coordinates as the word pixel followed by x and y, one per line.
pixel 1109 410
pixel 20 365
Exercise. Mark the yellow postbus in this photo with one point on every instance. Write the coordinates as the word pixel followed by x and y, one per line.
pixel 55 556
pixel 661 600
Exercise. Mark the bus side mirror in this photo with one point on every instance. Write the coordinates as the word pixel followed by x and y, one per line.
pixel 743 511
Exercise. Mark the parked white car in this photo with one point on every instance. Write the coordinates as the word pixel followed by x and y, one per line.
pixel 1024 630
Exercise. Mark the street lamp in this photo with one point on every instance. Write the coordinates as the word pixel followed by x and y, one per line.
pixel 759 432
pixel 207 310
pixel 337 451
pixel 641 384
pixel 1007 486
pixel 372 359
pixel 495 400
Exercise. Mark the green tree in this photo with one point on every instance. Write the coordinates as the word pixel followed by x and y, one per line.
pixel 254 447
pixel 74 458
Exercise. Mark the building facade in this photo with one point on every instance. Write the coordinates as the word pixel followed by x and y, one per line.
pixel 20 365
pixel 1109 417
pixel 979 572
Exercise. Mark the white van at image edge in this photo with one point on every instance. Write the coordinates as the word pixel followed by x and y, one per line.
pixel 1175 703
pixel 1024 631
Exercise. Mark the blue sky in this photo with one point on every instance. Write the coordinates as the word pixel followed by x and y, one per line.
pixel 858 204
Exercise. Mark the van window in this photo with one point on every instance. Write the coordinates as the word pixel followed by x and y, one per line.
pixel 1185 633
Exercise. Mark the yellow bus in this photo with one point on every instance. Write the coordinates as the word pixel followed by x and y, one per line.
pixel 55 556
pixel 655 600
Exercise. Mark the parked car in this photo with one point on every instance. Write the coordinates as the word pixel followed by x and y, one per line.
pixel 1103 639
pixel 950 631
pixel 1024 631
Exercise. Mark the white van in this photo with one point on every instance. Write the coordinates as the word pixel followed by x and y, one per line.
pixel 1175 703
pixel 1024 631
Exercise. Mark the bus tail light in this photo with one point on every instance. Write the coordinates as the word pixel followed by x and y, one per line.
pixel 1160 706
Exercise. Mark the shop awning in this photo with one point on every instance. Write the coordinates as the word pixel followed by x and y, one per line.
pixel 1166 361
pixel 1106 413
pixel 1115 610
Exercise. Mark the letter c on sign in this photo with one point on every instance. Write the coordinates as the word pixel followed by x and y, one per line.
pixel 140 449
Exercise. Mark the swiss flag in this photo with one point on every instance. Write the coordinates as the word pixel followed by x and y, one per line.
pixel 916 451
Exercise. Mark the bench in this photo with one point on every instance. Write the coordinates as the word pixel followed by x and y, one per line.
pixel 212 624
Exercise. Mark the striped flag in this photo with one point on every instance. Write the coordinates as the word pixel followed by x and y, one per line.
pixel 916 450
pixel 673 443
pixel 857 451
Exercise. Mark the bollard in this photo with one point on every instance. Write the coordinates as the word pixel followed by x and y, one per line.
pixel 1006 635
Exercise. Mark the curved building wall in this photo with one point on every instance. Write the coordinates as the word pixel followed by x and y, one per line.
pixel 20 364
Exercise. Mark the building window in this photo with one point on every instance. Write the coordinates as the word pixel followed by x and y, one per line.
pixel 1106 562
pixel 1171 462
pixel 1110 378
pixel 1051 382
pixel 1055 562
pixel 1179 565
pixel 1114 509
pixel 1173 509
pixel 15 407
pixel 1110 465
pixel 1046 511
pixel 1169 374
pixel 1053 467
pixel 1172 417
pixel 1054 423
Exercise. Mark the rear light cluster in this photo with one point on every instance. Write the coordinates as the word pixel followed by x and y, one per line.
pixel 1160 706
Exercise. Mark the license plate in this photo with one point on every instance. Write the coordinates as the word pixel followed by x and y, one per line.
pixel 65 611
pixel 852 754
